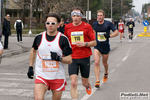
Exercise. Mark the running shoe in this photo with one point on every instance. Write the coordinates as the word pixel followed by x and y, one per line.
pixel 88 89
pixel 105 78
pixel 97 84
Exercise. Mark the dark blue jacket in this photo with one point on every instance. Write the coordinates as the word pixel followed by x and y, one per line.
pixel 6 27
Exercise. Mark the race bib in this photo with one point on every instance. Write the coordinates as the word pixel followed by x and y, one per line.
pixel 130 26
pixel 49 65
pixel 101 37
pixel 120 27
pixel 77 36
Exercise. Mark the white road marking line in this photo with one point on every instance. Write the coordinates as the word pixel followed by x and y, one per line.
pixel 139 48
pixel 5 84
pixel 17 92
pixel 135 36
pixel 113 70
pixel 12 74
pixel 14 79
pixel 94 89
pixel 125 58
pixel 118 65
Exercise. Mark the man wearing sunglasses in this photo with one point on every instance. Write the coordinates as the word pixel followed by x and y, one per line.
pixel 81 37
pixel 53 50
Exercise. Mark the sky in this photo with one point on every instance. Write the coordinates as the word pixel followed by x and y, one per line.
pixel 138 4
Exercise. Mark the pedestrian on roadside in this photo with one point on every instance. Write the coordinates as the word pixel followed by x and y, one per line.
pixel 19 26
pixel 116 23
pixel 121 30
pixel 62 26
pixel 102 30
pixel 53 50
pixel 1 51
pixel 67 22
pixel 130 26
pixel 6 30
pixel 81 37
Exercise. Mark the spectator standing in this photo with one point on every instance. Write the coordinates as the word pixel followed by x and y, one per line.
pixel 19 26
pixel 67 22
pixel 62 26
pixel 6 30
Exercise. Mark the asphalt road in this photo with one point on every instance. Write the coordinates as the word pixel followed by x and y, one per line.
pixel 129 66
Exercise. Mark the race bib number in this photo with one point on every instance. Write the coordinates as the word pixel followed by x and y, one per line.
pixel 77 36
pixel 49 65
pixel 101 37
pixel 130 26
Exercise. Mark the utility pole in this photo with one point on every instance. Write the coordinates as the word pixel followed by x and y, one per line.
pixel 88 11
pixel 30 32
pixel 111 9
pixel 0 19
pixel 121 9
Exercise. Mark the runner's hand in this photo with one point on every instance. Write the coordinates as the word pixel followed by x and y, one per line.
pixel 107 36
pixel 55 56
pixel 80 44
pixel 30 73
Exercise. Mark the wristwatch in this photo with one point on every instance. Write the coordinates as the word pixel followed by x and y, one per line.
pixel 86 43
pixel 60 58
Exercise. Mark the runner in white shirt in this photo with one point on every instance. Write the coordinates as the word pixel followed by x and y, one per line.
pixel 53 50
pixel 1 51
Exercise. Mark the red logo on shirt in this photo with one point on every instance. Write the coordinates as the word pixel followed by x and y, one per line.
pixel 49 44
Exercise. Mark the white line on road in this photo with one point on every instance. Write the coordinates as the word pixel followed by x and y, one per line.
pixel 93 91
pixel 12 74
pixel 113 70
pixel 118 65
pixel 125 58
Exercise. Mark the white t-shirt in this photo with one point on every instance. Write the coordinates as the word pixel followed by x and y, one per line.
pixel 1 47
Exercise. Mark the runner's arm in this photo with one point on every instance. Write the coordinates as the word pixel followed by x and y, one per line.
pixel 67 59
pixel 1 52
pixel 1 49
pixel 115 33
pixel 32 56
pixel 91 43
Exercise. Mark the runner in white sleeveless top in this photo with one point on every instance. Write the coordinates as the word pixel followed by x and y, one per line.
pixel 53 50
pixel 42 62
pixel 1 51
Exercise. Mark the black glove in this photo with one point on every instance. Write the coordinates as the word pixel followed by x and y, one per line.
pixel 55 56
pixel 107 36
pixel 30 73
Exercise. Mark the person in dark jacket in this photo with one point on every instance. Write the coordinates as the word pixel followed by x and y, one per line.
pixel 62 26
pixel 19 26
pixel 6 30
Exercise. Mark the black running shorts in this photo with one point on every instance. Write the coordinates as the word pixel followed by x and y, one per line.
pixel 82 64
pixel 131 32
pixel 103 48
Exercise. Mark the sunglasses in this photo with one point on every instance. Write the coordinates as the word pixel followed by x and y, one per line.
pixel 52 23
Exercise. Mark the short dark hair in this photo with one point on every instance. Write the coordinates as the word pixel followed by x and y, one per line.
pixel 54 15
pixel 78 8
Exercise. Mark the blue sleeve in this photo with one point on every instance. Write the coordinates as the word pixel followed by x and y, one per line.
pixel 112 27
pixel 94 24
